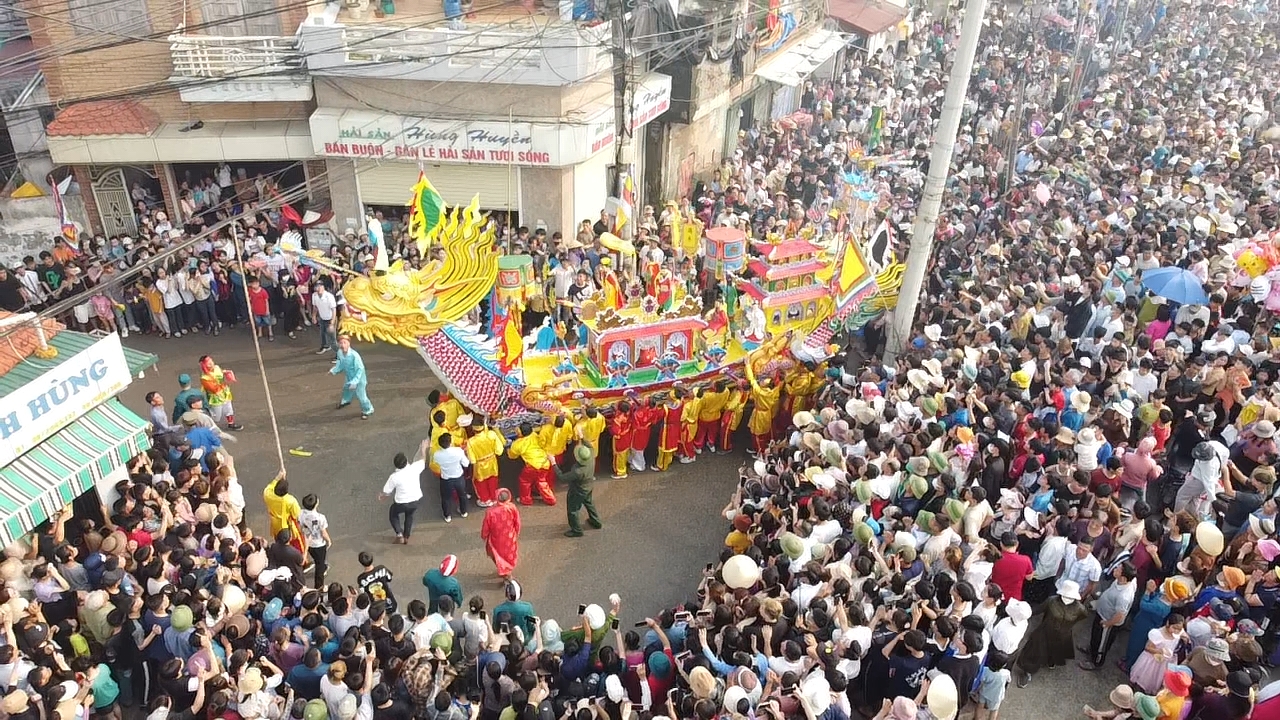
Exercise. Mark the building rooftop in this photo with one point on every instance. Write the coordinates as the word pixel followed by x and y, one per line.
pixel 104 117
pixel 785 249
pixel 428 14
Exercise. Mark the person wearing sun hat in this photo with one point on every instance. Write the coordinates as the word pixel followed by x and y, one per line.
pixel 1173 696
pixel 1052 642
pixel 1145 707
pixel 1121 699
pixel 1208 663
pixel 1230 579
pixel 580 478
pixel 1237 703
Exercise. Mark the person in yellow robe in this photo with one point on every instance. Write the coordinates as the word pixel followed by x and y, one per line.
pixel 589 428
pixel 709 412
pixel 438 429
pixel 796 383
pixel 282 508
pixel 609 287
pixel 731 418
pixel 537 466
pixel 555 437
pixel 483 448
pixel 452 409
pixel 689 427
pixel 765 396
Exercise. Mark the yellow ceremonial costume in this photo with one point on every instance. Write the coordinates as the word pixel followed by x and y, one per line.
pixel 731 418
pixel 283 510
pixel 555 439
pixel 483 449
pixel 766 405
pixel 709 411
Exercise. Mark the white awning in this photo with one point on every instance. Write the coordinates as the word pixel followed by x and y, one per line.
pixel 791 66
pixel 213 142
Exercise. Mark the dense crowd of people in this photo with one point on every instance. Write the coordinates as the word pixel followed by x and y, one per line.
pixel 1060 449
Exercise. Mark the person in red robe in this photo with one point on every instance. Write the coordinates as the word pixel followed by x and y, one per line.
pixel 643 418
pixel 620 429
pixel 672 430
pixel 501 534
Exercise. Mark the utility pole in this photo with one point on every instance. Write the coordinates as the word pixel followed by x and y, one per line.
pixel 1018 123
pixel 624 147
pixel 1077 67
pixel 944 143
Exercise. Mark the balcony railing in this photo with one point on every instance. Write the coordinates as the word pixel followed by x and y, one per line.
pixel 206 56
pixel 555 55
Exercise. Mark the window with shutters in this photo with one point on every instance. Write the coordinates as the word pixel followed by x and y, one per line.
pixel 240 17
pixel 122 17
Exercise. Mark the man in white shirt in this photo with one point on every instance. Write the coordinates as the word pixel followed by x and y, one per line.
pixel 404 487
pixel 451 460
pixel 325 307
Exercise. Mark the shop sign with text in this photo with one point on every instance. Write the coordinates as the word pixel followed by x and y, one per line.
pixel 42 407
pixel 391 137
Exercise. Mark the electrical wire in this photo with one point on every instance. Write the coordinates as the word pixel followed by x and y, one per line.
pixel 51 51
pixel 165 86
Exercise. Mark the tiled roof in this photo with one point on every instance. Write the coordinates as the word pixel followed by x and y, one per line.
pixel 104 117
pixel 20 343
pixel 867 16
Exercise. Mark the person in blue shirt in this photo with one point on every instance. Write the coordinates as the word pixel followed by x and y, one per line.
pixel 199 436
pixel 356 382
pixel 575 662
pixel 1227 585
pixel 304 678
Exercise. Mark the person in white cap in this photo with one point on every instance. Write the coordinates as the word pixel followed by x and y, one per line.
pixel 441 581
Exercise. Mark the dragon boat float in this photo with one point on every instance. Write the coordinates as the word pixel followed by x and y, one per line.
pixel 783 300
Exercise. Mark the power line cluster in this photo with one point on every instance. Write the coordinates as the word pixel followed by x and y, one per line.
pixel 660 48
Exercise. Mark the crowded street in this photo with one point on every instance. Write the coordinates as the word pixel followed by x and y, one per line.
pixel 657 533
pixel 773 361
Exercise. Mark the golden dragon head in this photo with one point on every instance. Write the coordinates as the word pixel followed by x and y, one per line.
pixel 402 305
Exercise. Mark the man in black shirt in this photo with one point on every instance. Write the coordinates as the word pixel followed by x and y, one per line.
pixel 51 275
pixel 12 295
pixel 386 707
pixel 376 580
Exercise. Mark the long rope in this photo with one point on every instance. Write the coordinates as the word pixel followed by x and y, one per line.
pixel 257 347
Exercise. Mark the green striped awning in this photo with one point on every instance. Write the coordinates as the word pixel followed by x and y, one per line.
pixel 58 470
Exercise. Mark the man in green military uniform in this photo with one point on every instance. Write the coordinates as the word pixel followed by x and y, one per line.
pixel 580 478
pixel 186 395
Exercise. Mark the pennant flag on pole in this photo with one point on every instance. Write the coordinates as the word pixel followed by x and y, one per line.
pixel 880 247
pixel 68 228
pixel 426 212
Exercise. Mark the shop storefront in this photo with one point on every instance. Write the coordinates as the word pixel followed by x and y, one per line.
pixel 541 172
pixel 62 433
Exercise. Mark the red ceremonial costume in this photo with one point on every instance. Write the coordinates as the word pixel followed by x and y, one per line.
pixel 620 428
pixel 642 421
pixel 669 439
pixel 501 533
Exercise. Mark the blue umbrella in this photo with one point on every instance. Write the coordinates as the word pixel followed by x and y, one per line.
pixel 1174 283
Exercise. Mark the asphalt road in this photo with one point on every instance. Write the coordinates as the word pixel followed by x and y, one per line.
pixel 660 529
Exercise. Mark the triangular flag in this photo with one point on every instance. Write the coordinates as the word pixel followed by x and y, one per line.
pixel 426 212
